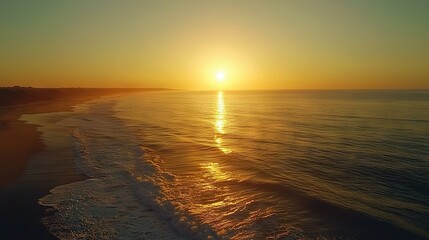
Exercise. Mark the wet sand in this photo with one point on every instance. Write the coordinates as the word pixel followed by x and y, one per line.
pixel 19 140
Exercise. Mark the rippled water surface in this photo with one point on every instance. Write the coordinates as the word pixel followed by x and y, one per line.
pixel 250 165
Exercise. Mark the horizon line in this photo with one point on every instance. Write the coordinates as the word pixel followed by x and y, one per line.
pixel 202 90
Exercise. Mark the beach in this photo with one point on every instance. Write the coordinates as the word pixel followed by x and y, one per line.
pixel 29 168
pixel 18 140
pixel 20 213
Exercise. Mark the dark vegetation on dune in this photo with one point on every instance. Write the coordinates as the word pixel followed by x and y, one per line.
pixel 21 95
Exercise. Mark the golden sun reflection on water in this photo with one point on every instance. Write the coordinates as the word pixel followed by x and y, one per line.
pixel 214 171
pixel 220 123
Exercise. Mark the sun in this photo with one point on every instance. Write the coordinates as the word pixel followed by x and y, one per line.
pixel 220 76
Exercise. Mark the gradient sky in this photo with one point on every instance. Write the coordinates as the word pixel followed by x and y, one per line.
pixel 181 44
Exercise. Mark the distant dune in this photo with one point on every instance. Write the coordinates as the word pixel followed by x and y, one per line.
pixel 21 95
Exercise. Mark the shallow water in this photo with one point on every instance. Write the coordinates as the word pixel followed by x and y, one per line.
pixel 249 165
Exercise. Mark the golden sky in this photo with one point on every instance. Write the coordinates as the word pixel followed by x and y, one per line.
pixel 271 44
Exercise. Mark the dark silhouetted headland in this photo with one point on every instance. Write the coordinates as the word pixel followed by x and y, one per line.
pixel 22 95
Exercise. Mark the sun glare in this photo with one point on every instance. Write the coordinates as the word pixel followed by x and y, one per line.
pixel 220 76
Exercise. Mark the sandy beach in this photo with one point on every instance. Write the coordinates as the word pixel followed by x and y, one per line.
pixel 22 181
pixel 29 168
pixel 18 140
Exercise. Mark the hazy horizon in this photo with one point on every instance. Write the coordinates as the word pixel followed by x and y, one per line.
pixel 257 45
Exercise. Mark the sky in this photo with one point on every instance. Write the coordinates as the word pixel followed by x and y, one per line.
pixel 271 44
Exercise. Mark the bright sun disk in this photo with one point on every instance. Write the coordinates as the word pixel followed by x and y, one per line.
pixel 220 76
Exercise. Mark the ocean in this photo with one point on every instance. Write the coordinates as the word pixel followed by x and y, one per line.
pixel 248 165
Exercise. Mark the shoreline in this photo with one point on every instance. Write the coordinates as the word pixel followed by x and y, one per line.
pixel 30 168
pixel 20 140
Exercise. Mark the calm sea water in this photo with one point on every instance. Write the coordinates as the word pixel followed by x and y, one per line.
pixel 249 165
